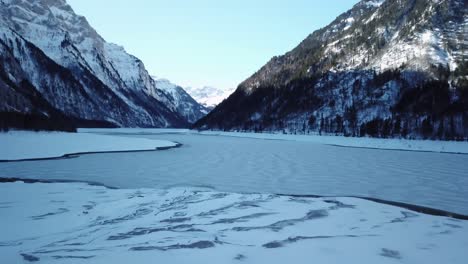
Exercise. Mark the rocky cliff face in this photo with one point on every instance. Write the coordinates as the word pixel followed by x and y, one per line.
pixel 78 73
pixel 383 68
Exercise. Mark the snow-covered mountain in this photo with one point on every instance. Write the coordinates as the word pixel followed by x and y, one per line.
pixel 209 96
pixel 383 68
pixel 80 74
pixel 184 103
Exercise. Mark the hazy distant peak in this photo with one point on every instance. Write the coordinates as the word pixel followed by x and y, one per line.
pixel 209 96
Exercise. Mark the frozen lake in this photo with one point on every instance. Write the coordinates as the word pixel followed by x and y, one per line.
pixel 270 166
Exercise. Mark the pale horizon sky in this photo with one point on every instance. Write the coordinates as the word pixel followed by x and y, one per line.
pixel 208 42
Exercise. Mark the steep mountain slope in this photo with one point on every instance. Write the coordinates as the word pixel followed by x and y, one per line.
pixel 184 103
pixel 97 80
pixel 22 106
pixel 208 96
pixel 383 68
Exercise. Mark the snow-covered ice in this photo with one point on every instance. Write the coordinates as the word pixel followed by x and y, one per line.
pixel 233 216
pixel 19 145
pixel 249 165
pixel 78 223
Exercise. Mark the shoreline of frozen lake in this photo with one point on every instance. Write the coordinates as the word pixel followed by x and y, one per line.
pixel 27 145
pixel 440 146
pixel 79 223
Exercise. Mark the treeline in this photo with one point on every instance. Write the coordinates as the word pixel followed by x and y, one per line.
pixel 453 127
pixel 432 110
pixel 447 128
pixel 36 122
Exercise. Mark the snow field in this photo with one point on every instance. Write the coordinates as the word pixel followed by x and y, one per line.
pixel 19 145
pixel 78 223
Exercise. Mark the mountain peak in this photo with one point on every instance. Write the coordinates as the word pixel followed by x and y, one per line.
pixel 371 71
pixel 100 76
pixel 384 35
pixel 209 96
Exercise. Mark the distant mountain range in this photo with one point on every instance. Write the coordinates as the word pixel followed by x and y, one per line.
pixel 209 96
pixel 57 72
pixel 385 68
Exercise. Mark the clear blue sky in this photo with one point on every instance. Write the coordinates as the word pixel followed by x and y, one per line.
pixel 208 42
